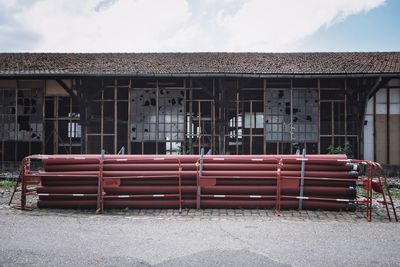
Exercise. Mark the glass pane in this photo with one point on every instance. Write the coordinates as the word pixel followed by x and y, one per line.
pixel 326 118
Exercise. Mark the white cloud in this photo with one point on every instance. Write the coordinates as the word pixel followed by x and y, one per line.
pixel 278 24
pixel 124 26
pixel 175 25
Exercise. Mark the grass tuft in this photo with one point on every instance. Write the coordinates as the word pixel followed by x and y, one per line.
pixel 395 192
pixel 7 183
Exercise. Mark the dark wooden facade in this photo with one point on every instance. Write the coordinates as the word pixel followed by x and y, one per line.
pixel 188 104
pixel 181 115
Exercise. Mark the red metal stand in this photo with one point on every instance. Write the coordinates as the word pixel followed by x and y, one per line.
pixel 100 186
pixel 25 179
pixel 278 187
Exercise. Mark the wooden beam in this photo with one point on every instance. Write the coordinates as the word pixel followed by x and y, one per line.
pixel 69 90
pixel 222 115
pixel 378 84
pixel 82 101
pixel 207 90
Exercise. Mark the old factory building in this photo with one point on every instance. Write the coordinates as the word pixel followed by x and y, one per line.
pixel 226 103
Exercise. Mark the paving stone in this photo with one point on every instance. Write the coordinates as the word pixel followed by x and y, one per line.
pixel 378 215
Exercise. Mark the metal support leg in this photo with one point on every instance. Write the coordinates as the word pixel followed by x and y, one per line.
pixel 100 194
pixel 303 164
pixel 278 188
pixel 200 173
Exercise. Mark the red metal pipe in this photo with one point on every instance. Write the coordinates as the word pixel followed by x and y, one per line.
pixel 250 190
pixel 155 182
pixel 270 190
pixel 68 189
pixel 333 174
pixel 66 197
pixel 233 181
pixel 86 159
pixel 330 183
pixel 67 180
pixel 285 204
pixel 192 166
pixel 70 204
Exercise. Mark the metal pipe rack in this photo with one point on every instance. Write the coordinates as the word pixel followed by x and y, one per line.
pixel 326 182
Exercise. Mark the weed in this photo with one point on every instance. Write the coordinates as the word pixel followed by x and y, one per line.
pixel 395 192
pixel 346 149
pixel 7 183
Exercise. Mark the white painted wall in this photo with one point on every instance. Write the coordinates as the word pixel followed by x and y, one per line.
pixel 369 131
pixel 381 109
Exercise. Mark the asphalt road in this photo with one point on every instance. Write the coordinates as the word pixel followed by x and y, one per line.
pixel 114 240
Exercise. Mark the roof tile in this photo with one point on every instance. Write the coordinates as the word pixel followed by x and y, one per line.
pixel 198 63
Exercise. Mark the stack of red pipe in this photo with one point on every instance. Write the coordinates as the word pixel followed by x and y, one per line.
pixel 328 182
pixel 173 181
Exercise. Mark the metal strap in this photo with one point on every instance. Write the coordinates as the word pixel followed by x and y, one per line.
pixel 198 197
pixel 100 183
pixel 201 161
pixel 303 165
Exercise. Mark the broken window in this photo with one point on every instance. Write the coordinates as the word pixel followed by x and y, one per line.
pixel 291 115
pixel 160 120
pixel 21 118
pixel 30 115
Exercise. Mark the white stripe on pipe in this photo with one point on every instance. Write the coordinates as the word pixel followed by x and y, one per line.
pixel 344 160
pixel 219 195
pixel 159 158
pixel 121 159
pixel 123 196
pixel 218 159
pixel 302 197
pixel 78 195
pixel 255 196
pixel 43 194
pixel 158 195
pixel 342 200
pixel 79 158
pixel 257 159
pixel 301 159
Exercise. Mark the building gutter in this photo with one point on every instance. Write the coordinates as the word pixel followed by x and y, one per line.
pixel 194 75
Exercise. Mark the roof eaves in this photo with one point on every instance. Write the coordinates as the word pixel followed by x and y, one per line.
pixel 39 75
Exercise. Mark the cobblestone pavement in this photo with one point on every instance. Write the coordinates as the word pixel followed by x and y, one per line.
pixel 379 214
pixel 209 214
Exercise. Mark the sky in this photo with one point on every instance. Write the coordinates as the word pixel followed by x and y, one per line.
pixel 199 25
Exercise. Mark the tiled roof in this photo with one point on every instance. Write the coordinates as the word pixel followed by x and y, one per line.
pixel 143 64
